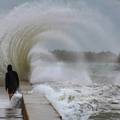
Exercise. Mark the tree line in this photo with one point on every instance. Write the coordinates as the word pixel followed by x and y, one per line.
pixel 86 56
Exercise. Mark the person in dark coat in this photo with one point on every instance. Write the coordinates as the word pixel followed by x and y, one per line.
pixel 11 81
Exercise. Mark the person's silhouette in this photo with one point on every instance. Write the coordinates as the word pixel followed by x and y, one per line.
pixel 11 81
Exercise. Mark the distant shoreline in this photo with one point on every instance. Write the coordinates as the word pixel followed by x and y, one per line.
pixel 72 56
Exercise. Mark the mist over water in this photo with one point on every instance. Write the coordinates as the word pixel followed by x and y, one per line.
pixel 68 25
pixel 30 31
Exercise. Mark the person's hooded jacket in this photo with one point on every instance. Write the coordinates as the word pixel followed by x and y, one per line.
pixel 11 80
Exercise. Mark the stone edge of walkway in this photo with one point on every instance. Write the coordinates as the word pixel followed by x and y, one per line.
pixel 37 107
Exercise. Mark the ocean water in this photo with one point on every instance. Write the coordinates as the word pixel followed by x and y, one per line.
pixel 79 91
pixel 80 99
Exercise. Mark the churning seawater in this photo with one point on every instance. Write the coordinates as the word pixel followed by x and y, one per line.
pixel 91 95
pixel 79 91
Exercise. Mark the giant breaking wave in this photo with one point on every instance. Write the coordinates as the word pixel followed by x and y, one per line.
pixel 27 34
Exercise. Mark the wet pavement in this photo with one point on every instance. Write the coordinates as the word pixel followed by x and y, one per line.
pixel 7 112
pixel 10 114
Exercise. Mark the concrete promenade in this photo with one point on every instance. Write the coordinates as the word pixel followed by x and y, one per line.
pixel 37 107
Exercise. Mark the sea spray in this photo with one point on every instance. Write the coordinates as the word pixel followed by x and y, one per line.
pixel 20 32
pixel 69 25
pixel 76 24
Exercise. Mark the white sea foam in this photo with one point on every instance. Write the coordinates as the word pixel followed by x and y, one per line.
pixel 69 103
pixel 80 104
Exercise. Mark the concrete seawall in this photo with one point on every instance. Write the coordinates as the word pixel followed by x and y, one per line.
pixel 36 106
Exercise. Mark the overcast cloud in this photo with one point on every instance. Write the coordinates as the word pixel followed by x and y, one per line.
pixel 108 9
